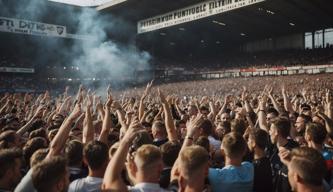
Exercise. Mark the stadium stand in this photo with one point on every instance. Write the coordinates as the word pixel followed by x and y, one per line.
pixel 155 96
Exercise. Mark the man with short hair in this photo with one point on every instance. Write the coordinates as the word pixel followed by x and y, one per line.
pixel 170 152
pixel 192 110
pixel 73 151
pixel 315 135
pixel 225 117
pixel 279 134
pixel 206 130
pixel 51 175
pixel 192 169
pixel 145 169
pixel 300 124
pixel 306 169
pixel 159 133
pixel 272 113
pixel 10 164
pixel 236 175
pixel 144 165
pixel 257 143
pixel 95 155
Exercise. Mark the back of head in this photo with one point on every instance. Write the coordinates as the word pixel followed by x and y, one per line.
pixel 7 160
pixel 282 125
pixel 38 157
pixel 192 159
pixel 147 157
pixel 203 142
pixel 238 126
pixel 37 125
pixel 260 137
pixel 234 145
pixel 206 127
pixel 141 138
pixel 316 132
pixel 47 174
pixel 38 133
pixel 309 165
pixel 6 138
pixel 307 118
pixel 74 152
pixel 272 111
pixel 33 145
pixel 96 154
pixel 170 152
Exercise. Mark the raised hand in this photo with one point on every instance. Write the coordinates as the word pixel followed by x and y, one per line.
pixel 328 97
pixel 76 112
pixel 244 94
pixel 116 105
pixel 284 155
pixel 283 89
pixel 133 128
pixel 193 124
pixel 262 102
pixel 89 101
pixel 109 91
pixel 161 96
pixel 148 88
pixel 269 91
pixel 39 112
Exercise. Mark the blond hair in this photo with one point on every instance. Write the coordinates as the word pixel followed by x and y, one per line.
pixel 191 159
pixel 147 156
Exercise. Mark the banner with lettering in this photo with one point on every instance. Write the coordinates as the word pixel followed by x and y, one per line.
pixel 191 13
pixel 16 70
pixel 12 25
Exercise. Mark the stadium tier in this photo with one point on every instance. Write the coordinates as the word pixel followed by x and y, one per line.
pixel 166 96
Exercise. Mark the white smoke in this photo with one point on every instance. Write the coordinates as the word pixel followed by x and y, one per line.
pixel 99 58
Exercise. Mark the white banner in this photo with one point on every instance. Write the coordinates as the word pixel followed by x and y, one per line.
pixel 16 70
pixel 12 25
pixel 191 13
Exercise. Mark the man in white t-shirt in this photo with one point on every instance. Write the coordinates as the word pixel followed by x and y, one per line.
pixel 95 155
pixel 144 166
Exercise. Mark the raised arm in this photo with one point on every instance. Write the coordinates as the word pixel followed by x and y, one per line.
pixel 113 180
pixel 192 127
pixel 170 126
pixel 212 114
pixel 328 106
pixel 225 104
pixel 271 97
pixel 88 128
pixel 25 127
pixel 328 123
pixel 262 114
pixel 59 140
pixel 287 104
pixel 107 124
pixel 142 99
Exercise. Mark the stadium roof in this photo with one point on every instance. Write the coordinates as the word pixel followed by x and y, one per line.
pixel 263 20
pixel 84 3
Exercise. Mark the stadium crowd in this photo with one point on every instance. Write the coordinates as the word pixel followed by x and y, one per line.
pixel 258 134
pixel 263 59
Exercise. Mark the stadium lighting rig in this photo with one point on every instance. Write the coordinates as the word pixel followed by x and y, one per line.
pixel 219 23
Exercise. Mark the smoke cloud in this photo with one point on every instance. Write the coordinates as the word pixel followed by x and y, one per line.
pixel 103 57
pixel 99 58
